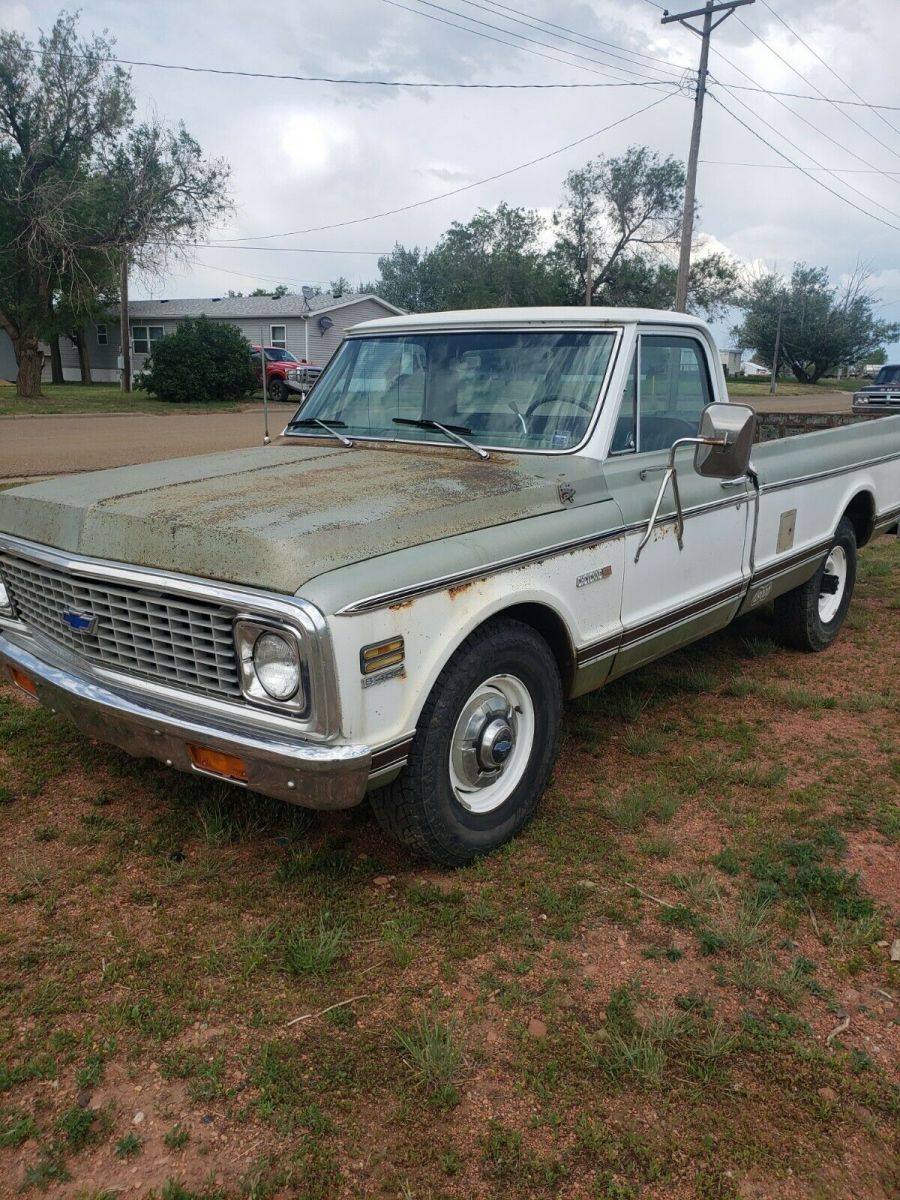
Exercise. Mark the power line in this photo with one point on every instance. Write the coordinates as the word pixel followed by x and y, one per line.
pixel 589 37
pixel 523 37
pixel 847 116
pixel 471 86
pixel 853 188
pixel 803 170
pixel 719 162
pixel 511 45
pixel 228 245
pixel 800 117
pixel 456 191
pixel 527 21
pixel 828 67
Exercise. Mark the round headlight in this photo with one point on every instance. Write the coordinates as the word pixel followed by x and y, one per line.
pixel 276 665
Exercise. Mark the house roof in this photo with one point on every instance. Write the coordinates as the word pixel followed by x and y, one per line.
pixel 248 306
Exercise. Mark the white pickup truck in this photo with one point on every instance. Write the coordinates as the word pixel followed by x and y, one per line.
pixel 474 516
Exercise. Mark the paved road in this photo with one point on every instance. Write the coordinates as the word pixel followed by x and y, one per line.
pixel 54 445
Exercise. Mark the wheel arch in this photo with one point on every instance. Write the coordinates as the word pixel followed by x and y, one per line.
pixel 549 625
pixel 860 512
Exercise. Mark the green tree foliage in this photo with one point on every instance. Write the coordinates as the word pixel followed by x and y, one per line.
pixel 493 261
pixel 824 326
pixel 624 208
pixel 201 362
pixel 82 186
pixel 628 209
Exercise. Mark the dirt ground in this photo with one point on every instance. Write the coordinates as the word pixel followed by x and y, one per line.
pixel 675 985
pixel 57 445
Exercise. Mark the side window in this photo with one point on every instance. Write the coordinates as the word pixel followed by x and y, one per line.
pixel 624 440
pixel 673 390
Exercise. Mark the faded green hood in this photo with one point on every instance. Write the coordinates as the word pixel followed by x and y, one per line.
pixel 275 517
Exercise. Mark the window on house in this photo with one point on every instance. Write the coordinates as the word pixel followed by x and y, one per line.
pixel 666 391
pixel 102 338
pixel 279 337
pixel 143 337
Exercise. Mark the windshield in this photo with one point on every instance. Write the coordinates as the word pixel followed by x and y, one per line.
pixel 531 390
pixel 276 355
pixel 888 375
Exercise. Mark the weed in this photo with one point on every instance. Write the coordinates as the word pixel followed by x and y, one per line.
pixel 128 1146
pixel 315 952
pixel 177 1137
pixel 564 910
pixel 76 1125
pixel 16 1127
pixel 633 807
pixel 434 1054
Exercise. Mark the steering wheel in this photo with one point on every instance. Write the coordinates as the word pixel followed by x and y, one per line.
pixel 583 404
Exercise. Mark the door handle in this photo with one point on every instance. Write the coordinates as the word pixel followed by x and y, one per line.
pixel 734 483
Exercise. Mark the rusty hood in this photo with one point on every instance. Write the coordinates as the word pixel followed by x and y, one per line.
pixel 277 516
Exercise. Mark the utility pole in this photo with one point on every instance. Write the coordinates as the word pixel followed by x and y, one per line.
pixel 690 188
pixel 774 381
pixel 589 275
pixel 124 330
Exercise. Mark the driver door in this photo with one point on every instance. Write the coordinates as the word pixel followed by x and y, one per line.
pixel 672 596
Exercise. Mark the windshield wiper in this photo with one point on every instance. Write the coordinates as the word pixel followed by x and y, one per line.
pixel 345 441
pixel 452 431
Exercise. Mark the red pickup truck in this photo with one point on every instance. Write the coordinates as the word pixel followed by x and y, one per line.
pixel 285 374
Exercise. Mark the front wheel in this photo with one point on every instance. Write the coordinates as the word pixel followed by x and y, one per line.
pixel 810 617
pixel 484 748
pixel 277 390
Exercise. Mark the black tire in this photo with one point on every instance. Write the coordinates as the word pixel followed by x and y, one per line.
pixel 420 808
pixel 277 390
pixel 798 621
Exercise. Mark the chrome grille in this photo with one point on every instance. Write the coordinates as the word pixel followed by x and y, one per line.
pixel 170 639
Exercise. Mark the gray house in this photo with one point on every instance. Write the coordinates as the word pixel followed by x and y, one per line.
pixel 311 328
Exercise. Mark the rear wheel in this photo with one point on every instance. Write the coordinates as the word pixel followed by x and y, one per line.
pixel 483 750
pixel 810 617
pixel 277 390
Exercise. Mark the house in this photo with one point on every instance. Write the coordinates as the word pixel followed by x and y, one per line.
pixel 312 328
pixel 731 361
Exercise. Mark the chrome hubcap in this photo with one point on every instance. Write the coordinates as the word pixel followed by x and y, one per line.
pixel 492 743
pixel 834 581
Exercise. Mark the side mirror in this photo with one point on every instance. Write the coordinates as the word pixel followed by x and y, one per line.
pixel 730 429
pixel 721 451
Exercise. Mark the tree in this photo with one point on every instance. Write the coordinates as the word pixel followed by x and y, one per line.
pixel 82 187
pixel 626 210
pixel 201 361
pixel 494 260
pixel 823 326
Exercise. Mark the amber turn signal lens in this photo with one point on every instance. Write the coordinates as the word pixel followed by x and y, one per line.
pixel 380 655
pixel 25 682
pixel 218 763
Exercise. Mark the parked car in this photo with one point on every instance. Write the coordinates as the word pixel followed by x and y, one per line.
pixel 474 516
pixel 884 393
pixel 285 374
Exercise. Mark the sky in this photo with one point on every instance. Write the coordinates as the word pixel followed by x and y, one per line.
pixel 305 155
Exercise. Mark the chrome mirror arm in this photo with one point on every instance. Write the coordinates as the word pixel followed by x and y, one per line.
pixel 672 474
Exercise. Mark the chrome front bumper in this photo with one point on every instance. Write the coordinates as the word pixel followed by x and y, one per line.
pixel 288 768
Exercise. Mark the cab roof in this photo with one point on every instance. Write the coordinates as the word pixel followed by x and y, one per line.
pixel 499 318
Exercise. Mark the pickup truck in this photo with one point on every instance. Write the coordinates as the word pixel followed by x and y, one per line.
pixel 474 516
pixel 286 376
pixel 882 394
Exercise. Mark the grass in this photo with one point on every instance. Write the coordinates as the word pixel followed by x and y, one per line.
pixel 790 387
pixel 674 933
pixel 68 398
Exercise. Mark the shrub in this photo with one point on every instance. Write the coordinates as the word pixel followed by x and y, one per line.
pixel 203 361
